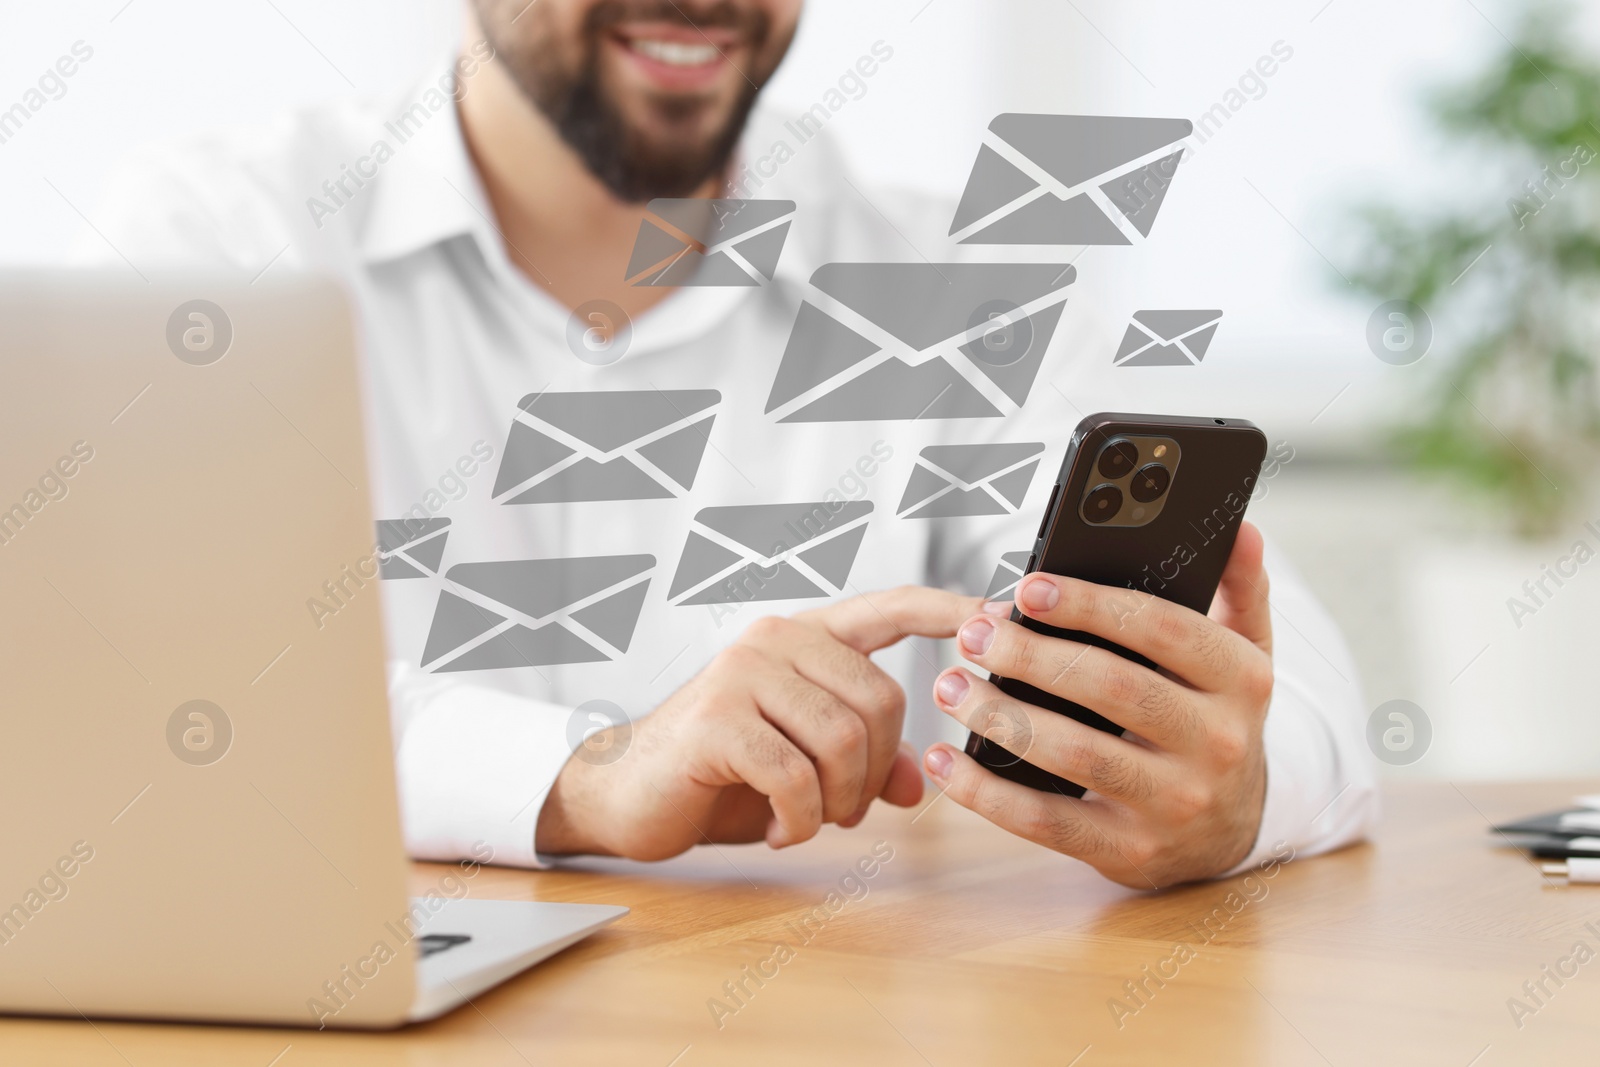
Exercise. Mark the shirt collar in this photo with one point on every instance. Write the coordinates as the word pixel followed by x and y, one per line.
pixel 430 192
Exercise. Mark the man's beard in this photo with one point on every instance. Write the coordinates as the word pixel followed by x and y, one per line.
pixel 634 165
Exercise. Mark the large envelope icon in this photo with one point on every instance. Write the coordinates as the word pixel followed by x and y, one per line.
pixel 1069 179
pixel 411 548
pixel 626 445
pixel 536 612
pixel 1009 571
pixel 1167 338
pixel 918 341
pixel 700 242
pixel 770 552
pixel 954 480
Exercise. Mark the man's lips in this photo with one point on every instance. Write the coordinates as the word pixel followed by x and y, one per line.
pixel 674 56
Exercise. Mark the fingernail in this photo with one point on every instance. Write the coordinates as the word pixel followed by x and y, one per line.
pixel 938 761
pixel 977 636
pixel 1001 608
pixel 1040 594
pixel 952 688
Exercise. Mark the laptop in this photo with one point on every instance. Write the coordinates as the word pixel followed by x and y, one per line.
pixel 198 781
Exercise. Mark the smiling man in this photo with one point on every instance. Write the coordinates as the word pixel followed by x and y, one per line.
pixel 472 216
pixel 653 104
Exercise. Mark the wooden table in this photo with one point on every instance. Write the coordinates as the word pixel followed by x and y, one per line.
pixel 970 946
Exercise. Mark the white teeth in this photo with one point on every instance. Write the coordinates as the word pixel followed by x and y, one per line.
pixel 675 53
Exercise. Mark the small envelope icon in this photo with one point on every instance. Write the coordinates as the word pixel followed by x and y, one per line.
pixel 1003 586
pixel 769 552
pixel 954 480
pixel 701 242
pixel 1069 179
pixel 918 341
pixel 627 445
pixel 410 548
pixel 1167 338
pixel 536 612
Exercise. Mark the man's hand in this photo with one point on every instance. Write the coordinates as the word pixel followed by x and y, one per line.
pixel 1179 798
pixel 790 727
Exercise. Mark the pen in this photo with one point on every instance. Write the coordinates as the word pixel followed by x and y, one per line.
pixel 1576 870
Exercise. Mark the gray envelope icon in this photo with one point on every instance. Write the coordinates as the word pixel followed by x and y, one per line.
pixel 1069 179
pixel 1167 338
pixel 641 444
pixel 770 552
pixel 410 548
pixel 954 480
pixel 701 242
pixel 919 341
pixel 537 612
pixel 1003 586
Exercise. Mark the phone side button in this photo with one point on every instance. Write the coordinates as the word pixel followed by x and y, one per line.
pixel 1049 510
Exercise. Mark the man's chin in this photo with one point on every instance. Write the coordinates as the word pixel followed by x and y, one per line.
pixel 644 143
pixel 667 119
pixel 667 170
pixel 664 133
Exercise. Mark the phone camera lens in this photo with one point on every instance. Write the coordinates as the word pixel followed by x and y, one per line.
pixel 1152 480
pixel 1117 459
pixel 1102 503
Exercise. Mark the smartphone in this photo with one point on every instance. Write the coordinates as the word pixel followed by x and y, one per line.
pixel 1145 502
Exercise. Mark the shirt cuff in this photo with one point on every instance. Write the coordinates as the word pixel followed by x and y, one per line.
pixel 1315 800
pixel 475 766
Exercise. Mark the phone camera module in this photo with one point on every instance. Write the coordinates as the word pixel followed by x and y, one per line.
pixel 1150 482
pixel 1117 459
pixel 1102 504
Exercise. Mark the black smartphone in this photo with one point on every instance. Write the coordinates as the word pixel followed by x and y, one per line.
pixel 1146 502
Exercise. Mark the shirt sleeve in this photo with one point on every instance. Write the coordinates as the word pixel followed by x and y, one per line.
pixel 1322 780
pixel 473 764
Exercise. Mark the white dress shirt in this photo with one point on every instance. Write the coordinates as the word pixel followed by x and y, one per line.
pixel 454 336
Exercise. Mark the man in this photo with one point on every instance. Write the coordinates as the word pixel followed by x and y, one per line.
pixel 470 219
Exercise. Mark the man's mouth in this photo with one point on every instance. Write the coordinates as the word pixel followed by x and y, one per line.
pixel 675 54
pixel 675 57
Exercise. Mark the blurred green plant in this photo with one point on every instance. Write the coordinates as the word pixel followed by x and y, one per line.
pixel 1510 411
